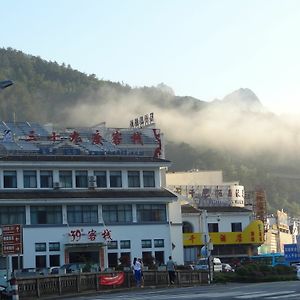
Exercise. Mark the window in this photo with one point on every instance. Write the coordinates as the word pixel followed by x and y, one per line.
pixel 54 260
pixel 236 227
pixel 151 213
pixel 65 179
pixel 159 257
pixel 112 260
pixel 125 244
pixel 82 214
pixel 159 243
pixel 115 178
pixel 12 215
pixel 46 214
pixel 148 178
pixel 213 227
pixel 117 213
pixel 146 243
pixel 46 179
pixel 29 179
pixel 54 246
pixel 40 261
pixel 81 179
pixel 101 179
pixel 10 179
pixel 40 247
pixel 187 227
pixel 134 179
pixel 112 245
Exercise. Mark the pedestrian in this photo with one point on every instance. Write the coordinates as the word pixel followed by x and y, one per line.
pixel 171 270
pixel 137 269
pixel 142 273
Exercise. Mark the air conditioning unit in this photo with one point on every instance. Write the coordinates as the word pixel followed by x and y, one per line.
pixel 92 184
pixel 56 185
pixel 92 178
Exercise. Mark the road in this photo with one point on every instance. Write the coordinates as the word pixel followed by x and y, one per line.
pixel 271 290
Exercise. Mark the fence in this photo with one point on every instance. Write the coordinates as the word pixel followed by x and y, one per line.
pixel 56 285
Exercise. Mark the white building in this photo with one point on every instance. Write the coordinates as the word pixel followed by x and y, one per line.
pixel 71 190
pixel 232 232
pixel 206 188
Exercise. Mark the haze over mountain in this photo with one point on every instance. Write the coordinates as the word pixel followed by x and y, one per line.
pixel 236 134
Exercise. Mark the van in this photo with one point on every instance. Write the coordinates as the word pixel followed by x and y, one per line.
pixel 202 264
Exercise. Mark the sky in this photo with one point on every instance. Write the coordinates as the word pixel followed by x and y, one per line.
pixel 205 49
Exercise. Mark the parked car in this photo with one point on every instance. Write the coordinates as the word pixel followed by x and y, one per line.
pixel 227 268
pixel 202 264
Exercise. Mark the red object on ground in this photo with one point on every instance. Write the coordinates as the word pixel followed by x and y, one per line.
pixel 112 280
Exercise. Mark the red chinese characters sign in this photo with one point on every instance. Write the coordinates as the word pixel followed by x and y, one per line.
pixel 80 235
pixel 11 239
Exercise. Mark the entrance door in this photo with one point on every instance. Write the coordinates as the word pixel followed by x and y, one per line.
pixel 91 257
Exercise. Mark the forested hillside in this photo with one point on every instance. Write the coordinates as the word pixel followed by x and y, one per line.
pixel 236 135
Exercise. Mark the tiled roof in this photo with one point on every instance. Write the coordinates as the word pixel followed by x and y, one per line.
pixel 101 194
pixel 188 209
pixel 96 158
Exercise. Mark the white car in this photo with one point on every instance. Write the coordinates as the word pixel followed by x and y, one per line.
pixel 227 268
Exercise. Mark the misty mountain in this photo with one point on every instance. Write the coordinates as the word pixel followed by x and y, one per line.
pixel 235 134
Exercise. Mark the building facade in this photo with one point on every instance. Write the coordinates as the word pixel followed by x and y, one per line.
pixel 231 232
pixel 91 195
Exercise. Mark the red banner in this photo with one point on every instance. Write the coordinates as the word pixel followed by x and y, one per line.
pixel 112 280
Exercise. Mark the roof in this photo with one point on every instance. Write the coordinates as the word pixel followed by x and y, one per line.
pixel 93 194
pixel 95 158
pixel 225 209
pixel 188 209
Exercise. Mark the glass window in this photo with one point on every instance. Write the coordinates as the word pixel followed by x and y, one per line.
pixel 187 227
pixel 54 246
pixel 117 213
pixel 46 179
pixel 160 257
pixel 65 179
pixel 40 261
pixel 125 244
pixel 46 214
pixel 112 260
pixel 40 247
pixel 10 179
pixel 115 178
pixel 213 227
pixel 54 260
pixel 29 179
pixel 159 243
pixel 112 245
pixel 82 214
pixel 148 178
pixel 151 213
pixel 134 179
pixel 146 243
pixel 101 179
pixel 236 227
pixel 12 215
pixel 81 179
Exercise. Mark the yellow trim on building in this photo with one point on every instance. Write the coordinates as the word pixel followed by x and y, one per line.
pixel 253 234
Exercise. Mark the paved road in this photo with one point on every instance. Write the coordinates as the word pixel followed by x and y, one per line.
pixel 274 290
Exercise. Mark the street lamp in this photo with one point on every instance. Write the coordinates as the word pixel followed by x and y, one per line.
pixel 5 83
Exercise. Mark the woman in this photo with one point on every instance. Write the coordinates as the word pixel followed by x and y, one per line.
pixel 137 268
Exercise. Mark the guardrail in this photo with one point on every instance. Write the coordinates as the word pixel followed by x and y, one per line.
pixel 58 285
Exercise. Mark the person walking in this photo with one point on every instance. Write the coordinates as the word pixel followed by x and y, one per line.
pixel 171 270
pixel 137 269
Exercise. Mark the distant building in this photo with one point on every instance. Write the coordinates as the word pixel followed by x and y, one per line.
pixel 206 188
